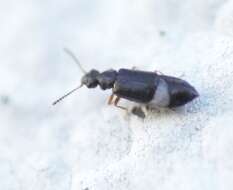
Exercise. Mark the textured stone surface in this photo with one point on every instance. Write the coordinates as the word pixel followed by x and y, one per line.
pixel 84 144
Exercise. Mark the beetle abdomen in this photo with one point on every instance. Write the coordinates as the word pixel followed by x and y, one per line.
pixel 180 91
pixel 137 86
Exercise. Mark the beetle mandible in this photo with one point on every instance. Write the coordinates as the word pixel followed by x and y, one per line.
pixel 143 87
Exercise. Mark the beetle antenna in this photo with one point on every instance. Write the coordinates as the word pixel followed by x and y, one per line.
pixel 67 94
pixel 71 54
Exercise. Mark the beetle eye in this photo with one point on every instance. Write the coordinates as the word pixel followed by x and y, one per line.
pixel 89 82
pixel 90 79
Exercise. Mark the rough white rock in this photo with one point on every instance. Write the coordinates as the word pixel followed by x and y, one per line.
pixel 84 144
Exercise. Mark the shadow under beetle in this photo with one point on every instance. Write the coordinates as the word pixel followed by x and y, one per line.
pixel 146 88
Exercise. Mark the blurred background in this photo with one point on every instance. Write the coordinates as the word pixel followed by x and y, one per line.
pixel 82 143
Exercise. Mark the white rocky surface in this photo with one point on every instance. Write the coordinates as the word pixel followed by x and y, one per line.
pixel 84 144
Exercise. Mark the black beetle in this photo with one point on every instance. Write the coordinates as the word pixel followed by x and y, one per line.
pixel 147 88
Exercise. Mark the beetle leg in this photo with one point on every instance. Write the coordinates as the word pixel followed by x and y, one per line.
pixel 182 75
pixel 110 99
pixel 117 101
pixel 158 72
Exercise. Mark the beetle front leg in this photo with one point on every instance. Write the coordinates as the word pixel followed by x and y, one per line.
pixel 110 99
pixel 117 101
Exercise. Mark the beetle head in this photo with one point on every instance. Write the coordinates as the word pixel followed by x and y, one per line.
pixel 90 79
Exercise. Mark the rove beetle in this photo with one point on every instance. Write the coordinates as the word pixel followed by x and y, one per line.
pixel 146 88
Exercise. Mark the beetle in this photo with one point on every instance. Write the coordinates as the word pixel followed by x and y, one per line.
pixel 143 87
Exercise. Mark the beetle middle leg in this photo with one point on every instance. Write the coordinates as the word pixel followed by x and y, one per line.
pixel 110 99
pixel 117 101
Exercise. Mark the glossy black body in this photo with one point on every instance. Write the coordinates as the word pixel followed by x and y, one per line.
pixel 137 86
pixel 141 86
